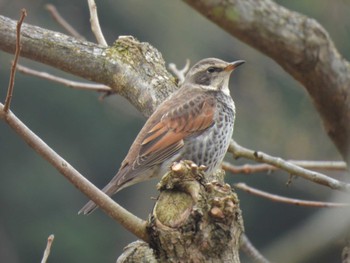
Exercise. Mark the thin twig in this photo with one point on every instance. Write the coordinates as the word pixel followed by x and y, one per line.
pixel 66 82
pixel 95 24
pixel 62 22
pixel 48 248
pixel 129 221
pixel 313 165
pixel 180 73
pixel 14 62
pixel 282 199
pixel 295 170
pixel 251 251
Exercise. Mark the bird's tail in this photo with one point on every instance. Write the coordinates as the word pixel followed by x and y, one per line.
pixel 109 190
pixel 121 180
pixel 88 208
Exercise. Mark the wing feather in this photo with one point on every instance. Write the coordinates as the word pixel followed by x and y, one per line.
pixel 167 136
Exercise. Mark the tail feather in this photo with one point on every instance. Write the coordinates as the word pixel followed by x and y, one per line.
pixel 88 208
pixel 121 180
pixel 109 190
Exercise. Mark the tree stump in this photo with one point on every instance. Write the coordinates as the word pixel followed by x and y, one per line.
pixel 193 220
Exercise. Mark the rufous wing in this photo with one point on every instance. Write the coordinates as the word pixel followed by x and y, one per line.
pixel 167 136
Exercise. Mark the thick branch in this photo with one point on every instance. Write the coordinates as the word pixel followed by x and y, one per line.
pixel 301 46
pixel 129 67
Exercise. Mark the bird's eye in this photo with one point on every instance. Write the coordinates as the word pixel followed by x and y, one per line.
pixel 211 70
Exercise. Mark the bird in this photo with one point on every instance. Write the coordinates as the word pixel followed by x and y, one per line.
pixel 195 123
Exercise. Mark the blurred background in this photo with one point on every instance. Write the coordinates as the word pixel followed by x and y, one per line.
pixel 274 115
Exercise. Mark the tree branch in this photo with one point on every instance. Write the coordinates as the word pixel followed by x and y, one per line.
pixel 282 199
pixel 239 151
pixel 62 22
pixel 256 168
pixel 301 46
pixel 14 63
pixel 95 24
pixel 180 73
pixel 129 67
pixel 66 82
pixel 132 223
pixel 48 248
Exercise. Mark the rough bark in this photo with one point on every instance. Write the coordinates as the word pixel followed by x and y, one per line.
pixel 193 221
pixel 301 46
pixel 132 69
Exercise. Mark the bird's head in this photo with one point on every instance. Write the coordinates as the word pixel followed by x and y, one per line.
pixel 212 74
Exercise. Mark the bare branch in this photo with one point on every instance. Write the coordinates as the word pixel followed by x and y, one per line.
pixel 14 63
pixel 292 201
pixel 240 151
pixel 48 248
pixel 247 168
pixel 321 165
pixel 256 168
pixel 66 82
pixel 95 24
pixel 180 73
pixel 132 223
pixel 62 22
pixel 301 46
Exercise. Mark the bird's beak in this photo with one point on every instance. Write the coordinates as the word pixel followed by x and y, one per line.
pixel 234 65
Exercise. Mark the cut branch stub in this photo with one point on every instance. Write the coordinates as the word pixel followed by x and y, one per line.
pixel 194 220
